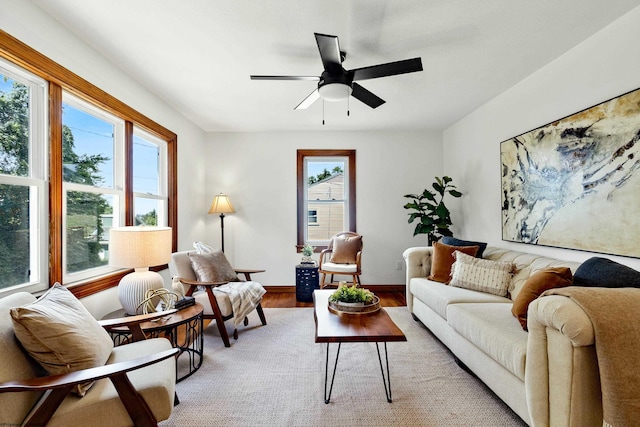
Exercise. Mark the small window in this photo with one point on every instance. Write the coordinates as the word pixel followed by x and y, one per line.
pixel 149 179
pixel 326 192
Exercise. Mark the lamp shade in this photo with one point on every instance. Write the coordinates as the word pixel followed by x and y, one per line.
pixel 221 204
pixel 139 246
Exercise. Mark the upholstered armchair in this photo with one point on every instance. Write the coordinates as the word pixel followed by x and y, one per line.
pixel 342 257
pixel 134 386
pixel 211 280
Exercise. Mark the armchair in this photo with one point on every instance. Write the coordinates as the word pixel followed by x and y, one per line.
pixel 135 387
pixel 342 257
pixel 224 299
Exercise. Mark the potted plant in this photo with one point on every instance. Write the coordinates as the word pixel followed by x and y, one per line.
pixel 353 300
pixel 434 219
pixel 307 251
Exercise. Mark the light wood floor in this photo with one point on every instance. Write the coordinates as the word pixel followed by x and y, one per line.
pixel 288 300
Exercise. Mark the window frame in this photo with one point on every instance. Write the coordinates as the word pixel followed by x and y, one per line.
pixel 302 206
pixel 59 78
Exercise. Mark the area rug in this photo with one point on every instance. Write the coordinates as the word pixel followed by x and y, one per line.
pixel 273 375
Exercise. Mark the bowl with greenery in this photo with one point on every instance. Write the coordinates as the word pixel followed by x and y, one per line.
pixel 353 300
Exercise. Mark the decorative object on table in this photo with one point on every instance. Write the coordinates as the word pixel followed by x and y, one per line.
pixel 343 256
pixel 167 301
pixel 434 218
pixel 178 287
pixel 307 251
pixel 222 205
pixel 139 247
pixel 573 183
pixel 353 300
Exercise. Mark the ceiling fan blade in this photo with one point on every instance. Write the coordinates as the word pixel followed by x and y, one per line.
pixel 388 69
pixel 362 94
pixel 315 78
pixel 306 103
pixel 329 52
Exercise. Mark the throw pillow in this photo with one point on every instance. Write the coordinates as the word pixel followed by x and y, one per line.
pixel 452 241
pixel 482 275
pixel 535 285
pixel 605 273
pixel 442 260
pixel 345 248
pixel 212 267
pixel 61 335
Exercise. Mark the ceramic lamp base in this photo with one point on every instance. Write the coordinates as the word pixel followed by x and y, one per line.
pixel 133 287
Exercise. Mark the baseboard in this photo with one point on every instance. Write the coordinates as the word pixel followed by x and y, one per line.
pixel 372 288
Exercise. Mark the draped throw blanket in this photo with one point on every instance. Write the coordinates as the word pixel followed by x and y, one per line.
pixel 614 314
pixel 244 297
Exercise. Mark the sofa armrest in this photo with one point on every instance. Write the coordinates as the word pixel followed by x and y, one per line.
pixel 561 375
pixel 418 263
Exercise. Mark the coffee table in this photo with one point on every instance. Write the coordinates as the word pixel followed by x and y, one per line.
pixel 350 328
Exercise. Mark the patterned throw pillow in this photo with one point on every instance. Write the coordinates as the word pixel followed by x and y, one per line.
pixel 481 274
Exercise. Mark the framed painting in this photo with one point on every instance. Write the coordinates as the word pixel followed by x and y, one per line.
pixel 575 183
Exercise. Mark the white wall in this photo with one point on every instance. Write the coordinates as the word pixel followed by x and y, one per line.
pixel 29 24
pixel 602 67
pixel 258 172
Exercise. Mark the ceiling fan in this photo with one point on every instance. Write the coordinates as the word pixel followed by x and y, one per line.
pixel 337 84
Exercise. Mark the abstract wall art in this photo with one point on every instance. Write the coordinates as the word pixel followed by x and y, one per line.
pixel 575 183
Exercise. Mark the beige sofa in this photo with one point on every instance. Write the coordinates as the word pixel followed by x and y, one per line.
pixel 549 375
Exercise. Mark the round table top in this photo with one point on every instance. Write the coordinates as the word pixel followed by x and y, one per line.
pixel 165 322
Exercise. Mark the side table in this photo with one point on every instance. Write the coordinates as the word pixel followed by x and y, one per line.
pixel 306 281
pixel 183 328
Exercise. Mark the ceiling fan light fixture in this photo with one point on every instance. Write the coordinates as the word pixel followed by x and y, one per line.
pixel 335 91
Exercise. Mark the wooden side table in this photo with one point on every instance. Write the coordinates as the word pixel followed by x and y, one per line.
pixel 306 281
pixel 183 328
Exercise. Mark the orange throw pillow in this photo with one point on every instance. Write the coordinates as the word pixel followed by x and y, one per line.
pixel 442 259
pixel 535 285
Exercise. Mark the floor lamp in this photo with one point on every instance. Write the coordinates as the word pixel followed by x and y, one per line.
pixel 139 248
pixel 222 205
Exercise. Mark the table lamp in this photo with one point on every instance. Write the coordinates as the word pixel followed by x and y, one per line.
pixel 222 205
pixel 139 247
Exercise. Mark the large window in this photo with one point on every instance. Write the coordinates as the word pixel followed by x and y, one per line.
pixel 326 195
pixel 23 220
pixel 74 162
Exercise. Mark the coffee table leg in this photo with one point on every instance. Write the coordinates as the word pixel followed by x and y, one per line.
pixel 387 381
pixel 327 398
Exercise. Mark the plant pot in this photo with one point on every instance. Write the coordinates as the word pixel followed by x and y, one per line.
pixel 339 307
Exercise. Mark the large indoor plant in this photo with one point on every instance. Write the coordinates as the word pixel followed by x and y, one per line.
pixel 434 218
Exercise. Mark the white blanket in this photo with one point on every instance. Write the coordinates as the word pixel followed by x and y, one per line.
pixel 244 297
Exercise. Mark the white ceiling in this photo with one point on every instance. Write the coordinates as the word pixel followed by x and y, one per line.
pixel 197 55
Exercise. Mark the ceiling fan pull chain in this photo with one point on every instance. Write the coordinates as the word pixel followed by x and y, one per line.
pixel 348 105
pixel 323 112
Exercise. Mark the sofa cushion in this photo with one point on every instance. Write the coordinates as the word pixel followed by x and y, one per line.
pixel 605 273
pixel 491 328
pixel 526 265
pixel 438 296
pixel 58 332
pixel 212 267
pixel 442 260
pixel 535 285
pixel 481 275
pixel 452 241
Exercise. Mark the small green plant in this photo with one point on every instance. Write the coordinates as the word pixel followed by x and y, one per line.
pixel 346 293
pixel 307 250
pixel 433 216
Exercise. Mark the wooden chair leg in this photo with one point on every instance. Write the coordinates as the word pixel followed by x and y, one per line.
pixel 322 280
pixel 261 314
pixel 218 315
